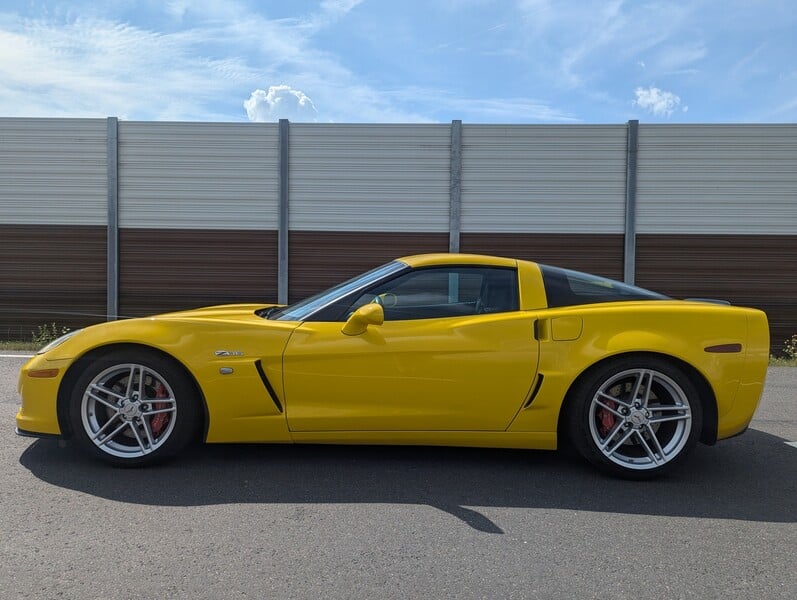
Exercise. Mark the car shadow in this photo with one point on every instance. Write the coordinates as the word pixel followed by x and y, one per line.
pixel 748 478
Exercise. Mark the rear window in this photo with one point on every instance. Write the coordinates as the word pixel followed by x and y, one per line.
pixel 564 287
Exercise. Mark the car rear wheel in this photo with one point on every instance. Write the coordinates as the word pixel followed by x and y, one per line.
pixel 133 409
pixel 635 417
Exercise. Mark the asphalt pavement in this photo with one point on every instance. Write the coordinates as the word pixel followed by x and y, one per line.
pixel 264 521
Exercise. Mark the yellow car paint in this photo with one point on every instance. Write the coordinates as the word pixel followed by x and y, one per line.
pixel 451 381
pixel 469 374
pixel 675 329
pixel 38 410
pixel 238 405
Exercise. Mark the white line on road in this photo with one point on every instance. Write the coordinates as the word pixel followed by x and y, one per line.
pixel 792 444
pixel 16 355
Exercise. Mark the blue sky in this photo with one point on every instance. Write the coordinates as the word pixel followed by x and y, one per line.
pixel 513 61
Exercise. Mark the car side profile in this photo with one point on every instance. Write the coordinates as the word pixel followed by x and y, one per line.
pixel 438 349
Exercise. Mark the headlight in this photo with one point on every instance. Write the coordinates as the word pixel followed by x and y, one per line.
pixel 58 342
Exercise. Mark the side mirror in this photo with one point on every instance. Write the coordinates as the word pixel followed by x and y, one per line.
pixel 369 314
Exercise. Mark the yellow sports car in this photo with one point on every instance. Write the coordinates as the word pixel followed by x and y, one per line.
pixel 441 349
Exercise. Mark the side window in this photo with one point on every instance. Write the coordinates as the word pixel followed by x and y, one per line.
pixel 564 287
pixel 444 292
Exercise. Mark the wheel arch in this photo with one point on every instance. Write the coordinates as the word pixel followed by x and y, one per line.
pixel 79 365
pixel 708 401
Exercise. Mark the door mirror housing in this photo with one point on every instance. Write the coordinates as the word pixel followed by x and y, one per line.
pixel 360 319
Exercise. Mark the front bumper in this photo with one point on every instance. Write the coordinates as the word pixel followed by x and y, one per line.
pixel 38 415
pixel 34 434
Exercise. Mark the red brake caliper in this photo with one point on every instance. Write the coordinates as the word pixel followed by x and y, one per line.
pixel 606 418
pixel 159 421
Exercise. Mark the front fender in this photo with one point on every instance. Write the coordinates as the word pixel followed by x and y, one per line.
pixel 230 360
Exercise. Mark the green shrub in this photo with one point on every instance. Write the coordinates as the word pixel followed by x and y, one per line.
pixel 47 333
pixel 790 347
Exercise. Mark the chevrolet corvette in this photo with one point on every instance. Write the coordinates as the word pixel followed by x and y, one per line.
pixel 440 349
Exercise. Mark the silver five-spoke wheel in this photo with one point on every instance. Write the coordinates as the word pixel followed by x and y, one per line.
pixel 134 407
pixel 640 419
pixel 635 416
pixel 128 410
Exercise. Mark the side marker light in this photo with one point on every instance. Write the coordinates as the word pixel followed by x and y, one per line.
pixel 725 348
pixel 43 373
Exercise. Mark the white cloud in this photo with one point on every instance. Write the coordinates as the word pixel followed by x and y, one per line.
pixel 508 110
pixel 177 8
pixel 204 58
pixel 81 67
pixel 280 102
pixel 656 101
pixel 339 6
pixel 679 58
pixel 587 46
pixel 330 12
pixel 96 68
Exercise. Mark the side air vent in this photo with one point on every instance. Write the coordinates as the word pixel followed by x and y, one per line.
pixel 267 385
pixel 535 391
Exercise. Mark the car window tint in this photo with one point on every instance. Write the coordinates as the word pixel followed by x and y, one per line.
pixel 318 305
pixel 564 287
pixel 444 292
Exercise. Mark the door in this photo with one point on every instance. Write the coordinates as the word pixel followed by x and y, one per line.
pixel 454 354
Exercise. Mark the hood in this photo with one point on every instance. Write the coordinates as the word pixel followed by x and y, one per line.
pixel 224 312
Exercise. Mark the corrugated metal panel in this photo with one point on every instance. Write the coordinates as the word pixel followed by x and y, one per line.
pixel 173 269
pixel 369 177
pixel 749 270
pixel 543 178
pixel 721 179
pixel 50 274
pixel 198 175
pixel 53 171
pixel 601 254
pixel 322 259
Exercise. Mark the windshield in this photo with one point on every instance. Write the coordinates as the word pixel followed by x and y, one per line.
pixel 302 310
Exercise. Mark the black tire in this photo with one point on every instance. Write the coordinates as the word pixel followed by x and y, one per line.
pixel 635 417
pixel 133 408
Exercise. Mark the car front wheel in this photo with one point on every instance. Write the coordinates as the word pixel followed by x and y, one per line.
pixel 635 417
pixel 132 409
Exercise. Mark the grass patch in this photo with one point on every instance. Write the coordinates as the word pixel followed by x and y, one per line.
pixel 22 346
pixel 775 361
